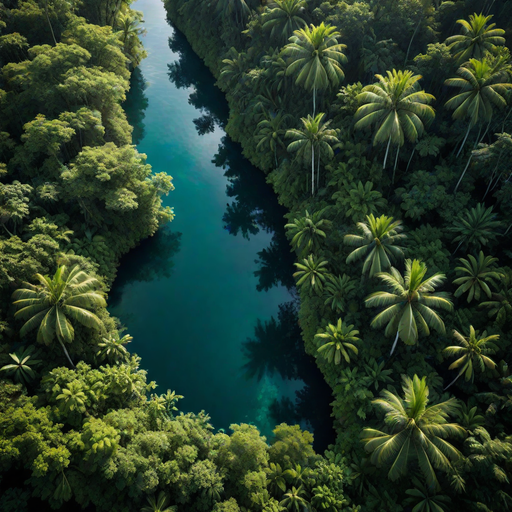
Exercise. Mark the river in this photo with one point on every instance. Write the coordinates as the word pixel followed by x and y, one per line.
pixel 210 299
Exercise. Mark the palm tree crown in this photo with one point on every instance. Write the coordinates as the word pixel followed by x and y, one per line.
pixel 417 433
pixel 48 306
pixel 284 18
pixel 308 232
pixel 476 276
pixel 336 341
pixel 396 107
pixel 377 243
pixel 409 306
pixel 314 137
pixel 471 351
pixel 476 38
pixel 316 58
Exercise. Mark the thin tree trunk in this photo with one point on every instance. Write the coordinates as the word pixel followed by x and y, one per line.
pixel 275 155
pixel 314 101
pixel 464 141
pixel 49 22
pixel 457 248
pixel 66 352
pixel 410 160
pixel 318 172
pixel 462 175
pixel 312 170
pixel 396 162
pixel 386 155
pixel 453 381
pixel 394 344
pixel 410 42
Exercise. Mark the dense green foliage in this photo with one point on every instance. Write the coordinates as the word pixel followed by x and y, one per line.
pixel 79 424
pixel 409 215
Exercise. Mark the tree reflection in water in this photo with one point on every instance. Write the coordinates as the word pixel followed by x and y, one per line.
pixel 277 346
pixel 135 105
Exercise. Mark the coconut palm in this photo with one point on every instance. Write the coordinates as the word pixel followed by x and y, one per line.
pixel 409 306
pixel 21 367
pixel 270 134
pixel 396 107
pixel 49 306
pixel 113 348
pixel 422 500
pixel 471 352
pixel 376 244
pixel 338 288
pixel 293 499
pixel 476 38
pixel 475 227
pixel 158 504
pixel 308 232
pixel 314 137
pixel 482 87
pixel 284 18
pixel 500 304
pixel 415 433
pixel 336 341
pixel 477 275
pixel 311 274
pixel 316 58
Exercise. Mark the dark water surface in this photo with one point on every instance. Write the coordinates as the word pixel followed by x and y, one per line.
pixel 210 300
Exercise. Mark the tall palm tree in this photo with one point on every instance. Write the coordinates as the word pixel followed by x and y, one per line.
pixel 475 227
pixel 471 351
pixel 477 275
pixel 129 31
pixel 482 86
pixel 316 58
pixel 409 306
pixel 283 18
pixel 314 137
pixel 49 306
pixel 377 244
pixel 415 432
pixel 476 38
pixel 339 339
pixel 311 274
pixel 396 107
pixel 308 232
pixel 113 348
pixel 270 134
pixel 21 367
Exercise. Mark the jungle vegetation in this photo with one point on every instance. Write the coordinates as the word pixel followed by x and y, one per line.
pixel 384 128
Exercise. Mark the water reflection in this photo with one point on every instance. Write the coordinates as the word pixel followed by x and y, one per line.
pixel 276 347
pixel 151 260
pixel 136 104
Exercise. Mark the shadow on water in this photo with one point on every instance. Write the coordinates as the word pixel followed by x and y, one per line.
pixel 277 346
pixel 151 260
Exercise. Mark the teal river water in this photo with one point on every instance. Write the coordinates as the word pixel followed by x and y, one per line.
pixel 212 291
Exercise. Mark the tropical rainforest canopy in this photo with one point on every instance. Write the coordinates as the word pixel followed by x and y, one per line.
pixel 384 127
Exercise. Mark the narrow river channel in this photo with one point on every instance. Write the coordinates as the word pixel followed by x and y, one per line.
pixel 210 299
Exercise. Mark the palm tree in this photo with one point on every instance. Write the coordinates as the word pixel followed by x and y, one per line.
pixel 316 58
pixel 113 348
pixel 72 399
pixel 410 305
pixel 471 351
pixel 159 504
pixel 293 499
pixel 417 432
pixel 283 18
pixel 396 107
pixel 423 500
pixel 476 276
pixel 338 288
pixel 377 244
pixel 275 478
pixel 48 306
pixel 475 227
pixel 240 8
pixel 339 338
pixel 308 232
pixel 129 32
pixel 476 38
pixel 311 273
pixel 233 68
pixel 500 304
pixel 315 136
pixel 483 85
pixel 270 132
pixel 21 367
